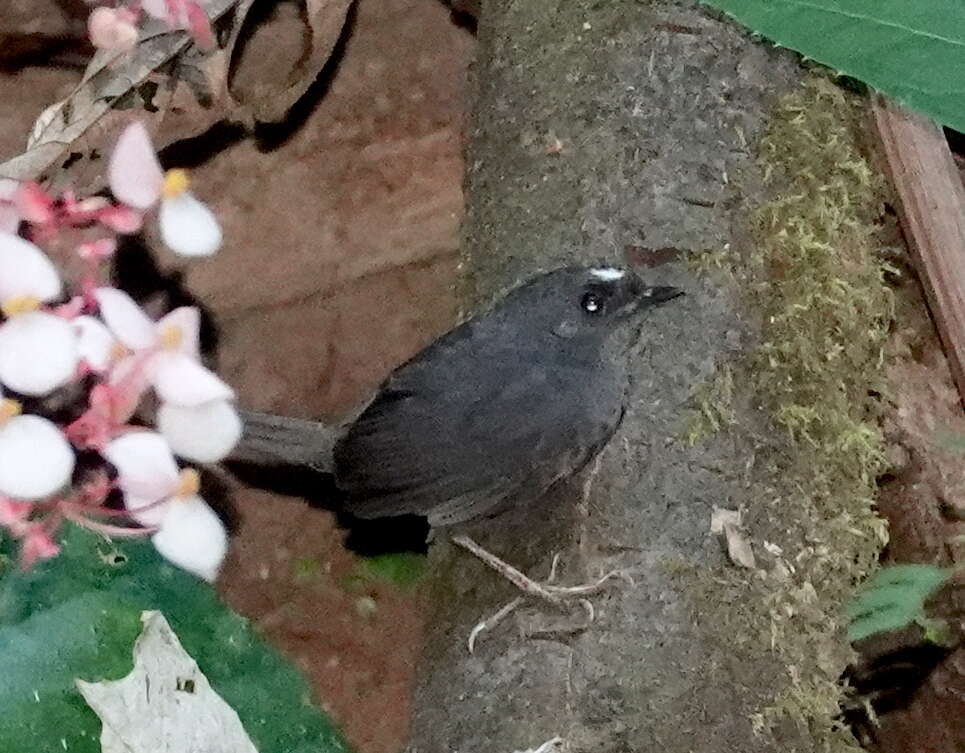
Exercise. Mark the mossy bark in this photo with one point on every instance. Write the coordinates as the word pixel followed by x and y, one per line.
pixel 625 130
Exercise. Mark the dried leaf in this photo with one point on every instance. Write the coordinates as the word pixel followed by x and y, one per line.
pixel 273 56
pixel 721 517
pixel 739 548
pixel 727 522
pixel 548 747
pixel 108 78
pixel 165 704
pixel 277 50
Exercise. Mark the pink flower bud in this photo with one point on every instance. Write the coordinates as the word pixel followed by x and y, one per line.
pixel 33 203
pixel 14 514
pixel 98 250
pixel 112 29
pixel 198 25
pixel 36 545
pixel 121 219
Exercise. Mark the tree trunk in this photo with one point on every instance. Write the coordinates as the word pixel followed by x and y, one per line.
pixel 621 131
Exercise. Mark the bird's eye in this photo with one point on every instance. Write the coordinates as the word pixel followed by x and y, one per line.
pixel 592 303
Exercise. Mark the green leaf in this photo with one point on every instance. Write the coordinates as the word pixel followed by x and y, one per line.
pixel 913 50
pixel 893 599
pixel 77 616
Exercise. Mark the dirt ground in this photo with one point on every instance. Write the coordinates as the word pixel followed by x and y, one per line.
pixel 345 248
pixel 340 252
pixel 922 499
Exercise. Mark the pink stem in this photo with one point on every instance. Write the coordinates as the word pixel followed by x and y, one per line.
pixel 107 529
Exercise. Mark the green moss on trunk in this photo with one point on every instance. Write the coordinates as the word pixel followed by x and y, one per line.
pixel 815 278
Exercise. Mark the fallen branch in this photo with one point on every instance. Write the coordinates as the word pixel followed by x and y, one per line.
pixel 932 211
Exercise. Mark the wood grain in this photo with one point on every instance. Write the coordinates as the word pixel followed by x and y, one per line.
pixel 932 211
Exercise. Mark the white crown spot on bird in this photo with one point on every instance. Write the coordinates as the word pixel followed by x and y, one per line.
pixel 608 274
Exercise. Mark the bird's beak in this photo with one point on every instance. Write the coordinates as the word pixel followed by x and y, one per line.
pixel 653 296
pixel 641 296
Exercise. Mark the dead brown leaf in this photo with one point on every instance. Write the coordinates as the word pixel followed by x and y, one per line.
pixel 274 53
pixel 71 134
pixel 727 522
pixel 277 50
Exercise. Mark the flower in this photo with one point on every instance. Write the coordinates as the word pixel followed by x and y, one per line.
pixel 38 350
pixel 147 474
pixel 156 494
pixel 35 459
pixel 112 29
pixel 134 174
pixel 187 226
pixel 33 204
pixel 49 339
pixel 183 14
pixel 195 415
pixel 166 353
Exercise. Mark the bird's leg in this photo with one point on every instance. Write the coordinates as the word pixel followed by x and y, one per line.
pixel 583 507
pixel 554 594
pixel 492 621
pixel 548 591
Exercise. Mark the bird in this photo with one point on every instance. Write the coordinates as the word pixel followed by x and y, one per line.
pixel 490 415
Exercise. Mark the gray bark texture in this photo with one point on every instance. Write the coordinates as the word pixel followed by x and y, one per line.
pixel 611 130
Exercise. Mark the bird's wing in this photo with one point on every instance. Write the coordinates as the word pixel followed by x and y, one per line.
pixel 454 431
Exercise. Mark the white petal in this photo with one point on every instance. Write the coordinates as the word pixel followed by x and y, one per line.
pixel 125 318
pixel 188 227
pixel 38 353
pixel 134 174
pixel 35 458
pixel 26 270
pixel 187 320
pixel 181 380
pixel 204 434
pixel 95 343
pixel 146 470
pixel 192 537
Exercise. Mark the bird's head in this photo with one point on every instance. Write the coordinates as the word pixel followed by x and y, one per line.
pixel 575 302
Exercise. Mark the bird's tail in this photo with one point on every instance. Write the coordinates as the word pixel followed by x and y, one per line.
pixel 270 440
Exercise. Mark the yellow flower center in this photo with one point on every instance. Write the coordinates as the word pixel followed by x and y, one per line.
pixel 9 409
pixel 118 351
pixel 189 483
pixel 171 337
pixel 176 182
pixel 20 304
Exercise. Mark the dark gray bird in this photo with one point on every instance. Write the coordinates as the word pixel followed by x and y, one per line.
pixel 492 413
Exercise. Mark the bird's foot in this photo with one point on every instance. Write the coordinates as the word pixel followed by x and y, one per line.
pixel 548 591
